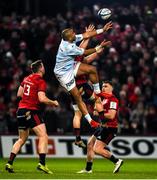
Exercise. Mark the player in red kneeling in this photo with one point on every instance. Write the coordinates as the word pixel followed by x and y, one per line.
pixel 31 94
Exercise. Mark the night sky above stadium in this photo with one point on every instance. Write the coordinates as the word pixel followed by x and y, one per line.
pixel 52 7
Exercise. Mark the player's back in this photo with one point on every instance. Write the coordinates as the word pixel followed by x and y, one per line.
pixel 32 84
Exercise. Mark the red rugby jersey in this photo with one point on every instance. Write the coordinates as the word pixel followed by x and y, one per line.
pixel 32 84
pixel 110 102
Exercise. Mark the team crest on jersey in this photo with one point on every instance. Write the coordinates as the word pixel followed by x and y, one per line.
pixel 113 105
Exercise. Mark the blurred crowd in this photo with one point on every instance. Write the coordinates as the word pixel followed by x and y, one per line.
pixel 131 64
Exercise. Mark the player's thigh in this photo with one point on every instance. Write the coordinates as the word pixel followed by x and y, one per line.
pixel 87 91
pixel 75 93
pixel 85 69
pixel 36 119
pixel 107 134
pixel 40 130
pixel 99 144
pixel 23 116
pixel 80 90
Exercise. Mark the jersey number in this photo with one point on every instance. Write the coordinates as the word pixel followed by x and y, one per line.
pixel 27 89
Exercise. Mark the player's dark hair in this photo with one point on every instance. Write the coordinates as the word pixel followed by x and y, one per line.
pixel 108 82
pixel 36 65
pixel 115 90
pixel 65 34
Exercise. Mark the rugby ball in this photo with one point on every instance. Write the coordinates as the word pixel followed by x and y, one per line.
pixel 104 13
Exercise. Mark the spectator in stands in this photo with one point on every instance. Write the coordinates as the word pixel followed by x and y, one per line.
pixel 24 37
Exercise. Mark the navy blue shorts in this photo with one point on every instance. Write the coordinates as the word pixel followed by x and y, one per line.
pixel 28 118
pixel 105 134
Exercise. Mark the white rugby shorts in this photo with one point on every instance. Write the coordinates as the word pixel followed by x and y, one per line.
pixel 67 80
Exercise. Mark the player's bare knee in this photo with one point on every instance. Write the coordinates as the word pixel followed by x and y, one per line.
pixel 21 141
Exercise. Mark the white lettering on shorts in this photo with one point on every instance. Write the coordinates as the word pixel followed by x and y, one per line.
pixel 70 83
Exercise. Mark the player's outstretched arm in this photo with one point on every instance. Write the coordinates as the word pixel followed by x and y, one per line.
pixel 90 34
pixel 44 99
pixel 97 48
pixel 105 43
pixel 85 42
pixel 90 58
pixel 107 26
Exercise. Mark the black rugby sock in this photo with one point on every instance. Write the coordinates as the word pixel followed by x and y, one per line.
pixel 42 157
pixel 11 158
pixel 89 166
pixel 113 159
pixel 77 134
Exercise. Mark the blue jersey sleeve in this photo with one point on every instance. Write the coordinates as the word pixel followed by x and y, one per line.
pixel 74 50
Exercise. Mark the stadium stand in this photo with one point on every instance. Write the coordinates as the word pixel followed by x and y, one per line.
pixel 131 63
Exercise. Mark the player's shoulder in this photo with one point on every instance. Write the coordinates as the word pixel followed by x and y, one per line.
pixel 114 98
pixel 40 79
pixel 27 78
pixel 66 44
pixel 36 78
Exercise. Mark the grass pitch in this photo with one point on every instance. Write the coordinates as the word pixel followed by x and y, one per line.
pixel 67 168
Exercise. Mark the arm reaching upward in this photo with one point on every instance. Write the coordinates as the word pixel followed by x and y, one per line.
pixel 97 48
pixel 89 34
pixel 90 58
pixel 85 42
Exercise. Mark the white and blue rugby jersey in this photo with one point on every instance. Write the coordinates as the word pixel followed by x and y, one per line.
pixel 66 54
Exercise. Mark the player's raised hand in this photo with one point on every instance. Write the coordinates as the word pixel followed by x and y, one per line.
pixel 55 103
pixel 100 47
pixel 90 28
pixel 108 26
pixel 106 43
